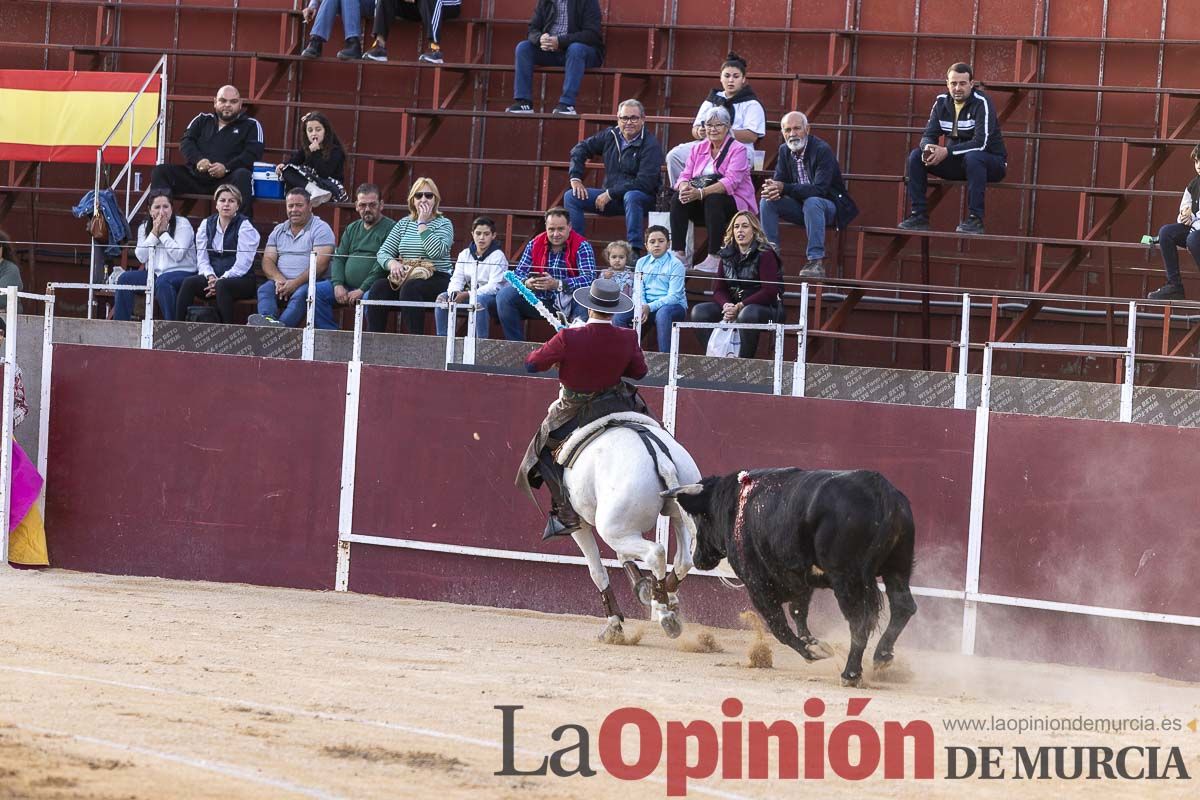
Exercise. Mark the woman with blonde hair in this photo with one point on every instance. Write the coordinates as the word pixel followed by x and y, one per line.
pixel 414 261
pixel 748 286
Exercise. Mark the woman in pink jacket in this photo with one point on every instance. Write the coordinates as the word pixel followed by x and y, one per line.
pixel 714 185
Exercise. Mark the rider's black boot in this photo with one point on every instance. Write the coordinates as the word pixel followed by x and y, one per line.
pixel 563 520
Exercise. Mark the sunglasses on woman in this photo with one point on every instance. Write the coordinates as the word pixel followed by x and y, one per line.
pixel 424 195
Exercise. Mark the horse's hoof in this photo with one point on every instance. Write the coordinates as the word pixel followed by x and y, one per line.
pixel 644 591
pixel 671 625
pixel 854 681
pixel 884 662
pixel 673 603
pixel 612 633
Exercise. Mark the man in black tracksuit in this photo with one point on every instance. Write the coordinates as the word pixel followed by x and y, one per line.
pixel 219 148
pixel 633 161
pixel 974 150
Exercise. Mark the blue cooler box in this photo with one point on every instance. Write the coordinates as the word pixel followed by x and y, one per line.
pixel 266 183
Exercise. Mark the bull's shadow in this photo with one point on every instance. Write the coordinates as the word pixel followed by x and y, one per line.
pixel 789 531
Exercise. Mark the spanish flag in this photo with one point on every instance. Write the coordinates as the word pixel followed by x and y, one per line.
pixel 65 116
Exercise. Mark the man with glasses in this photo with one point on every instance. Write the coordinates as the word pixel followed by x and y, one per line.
pixel 633 161
pixel 354 260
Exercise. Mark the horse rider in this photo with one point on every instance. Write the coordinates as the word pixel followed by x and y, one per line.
pixel 592 359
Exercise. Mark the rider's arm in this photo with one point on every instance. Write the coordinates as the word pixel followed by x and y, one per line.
pixel 637 364
pixel 550 354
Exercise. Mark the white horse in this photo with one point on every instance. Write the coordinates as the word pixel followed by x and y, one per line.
pixel 614 485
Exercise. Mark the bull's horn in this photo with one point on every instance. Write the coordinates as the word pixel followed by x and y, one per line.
pixel 690 488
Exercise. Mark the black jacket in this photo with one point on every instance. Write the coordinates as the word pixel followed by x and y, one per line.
pixel 824 175
pixel 238 145
pixel 583 23
pixel 638 167
pixel 330 166
pixel 978 126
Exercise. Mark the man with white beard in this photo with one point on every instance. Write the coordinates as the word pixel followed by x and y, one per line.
pixel 806 189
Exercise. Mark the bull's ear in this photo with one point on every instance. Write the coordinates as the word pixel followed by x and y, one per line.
pixel 689 488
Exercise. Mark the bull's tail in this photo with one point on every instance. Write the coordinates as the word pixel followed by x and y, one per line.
pixel 896 527
pixel 872 597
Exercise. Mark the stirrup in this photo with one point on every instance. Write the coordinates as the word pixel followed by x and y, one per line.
pixel 556 527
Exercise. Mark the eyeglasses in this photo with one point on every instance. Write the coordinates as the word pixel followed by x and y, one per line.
pixel 424 196
pixel 716 125
pixel 629 119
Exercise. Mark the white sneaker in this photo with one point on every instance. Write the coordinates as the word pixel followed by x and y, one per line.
pixel 317 194
pixel 711 265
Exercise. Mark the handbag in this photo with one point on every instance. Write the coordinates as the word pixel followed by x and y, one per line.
pixel 419 269
pixel 202 314
pixel 702 182
pixel 97 226
pixel 724 343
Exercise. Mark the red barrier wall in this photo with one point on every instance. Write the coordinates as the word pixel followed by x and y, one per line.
pixel 1103 516
pixel 226 468
pixel 181 465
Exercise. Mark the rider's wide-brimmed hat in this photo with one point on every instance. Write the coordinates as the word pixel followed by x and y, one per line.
pixel 603 295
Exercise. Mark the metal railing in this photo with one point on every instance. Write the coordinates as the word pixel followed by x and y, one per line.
pixel 126 174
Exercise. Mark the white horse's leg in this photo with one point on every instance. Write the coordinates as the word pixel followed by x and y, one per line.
pixel 653 556
pixel 586 540
pixel 685 539
pixel 591 551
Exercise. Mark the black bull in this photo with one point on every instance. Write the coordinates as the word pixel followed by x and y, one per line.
pixel 789 531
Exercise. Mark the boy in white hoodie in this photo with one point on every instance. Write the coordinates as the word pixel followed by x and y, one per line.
pixel 480 268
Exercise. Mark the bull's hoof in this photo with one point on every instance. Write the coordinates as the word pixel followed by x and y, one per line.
pixel 644 590
pixel 671 625
pixel 815 649
pixel 853 681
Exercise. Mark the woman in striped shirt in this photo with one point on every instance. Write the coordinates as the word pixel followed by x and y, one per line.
pixel 414 261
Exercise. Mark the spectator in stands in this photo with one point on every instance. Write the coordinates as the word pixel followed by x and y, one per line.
pixel 974 150
pixel 416 255
pixel 807 189
pixel 219 148
pixel 166 245
pixel 317 166
pixel 480 270
pixel 430 13
pixel 617 255
pixel 10 273
pixel 749 287
pixel 553 265
pixel 715 184
pixel 320 14
pixel 1184 232
pixel 748 119
pixel 662 299
pixel 285 263
pixel 354 266
pixel 632 173
pixel 226 244
pixel 562 33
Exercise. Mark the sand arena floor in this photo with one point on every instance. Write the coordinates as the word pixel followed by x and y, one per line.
pixel 117 687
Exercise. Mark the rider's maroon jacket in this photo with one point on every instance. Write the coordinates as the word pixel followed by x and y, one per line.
pixel 592 357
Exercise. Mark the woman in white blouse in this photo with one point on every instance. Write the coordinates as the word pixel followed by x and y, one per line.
pixel 166 245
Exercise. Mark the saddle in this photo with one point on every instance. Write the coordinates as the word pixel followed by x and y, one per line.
pixel 645 427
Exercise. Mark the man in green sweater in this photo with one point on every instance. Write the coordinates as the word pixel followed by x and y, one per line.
pixel 355 266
